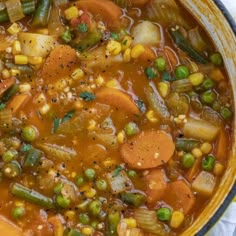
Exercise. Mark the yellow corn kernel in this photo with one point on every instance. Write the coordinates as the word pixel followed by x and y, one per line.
pixel 163 88
pixel 197 152
pixel 35 60
pixel 77 74
pixel 121 137
pixel 19 203
pixel 206 148
pixel 151 116
pixel 92 125
pixel 137 51
pixel 44 109
pixel 90 193
pixel 109 163
pixel 25 87
pixel 113 47
pixel 126 55
pixel 5 73
pixel 16 49
pixel 87 230
pixel 71 12
pixel 131 222
pixel 42 31
pixel 14 72
pixel 126 42
pixel 196 78
pixel 218 169
pixel 177 219
pixel 21 59
pixel 113 83
pixel 70 215
pixel 14 29
pixel 99 80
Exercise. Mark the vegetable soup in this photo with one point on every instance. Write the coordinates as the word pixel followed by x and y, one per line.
pixel 115 118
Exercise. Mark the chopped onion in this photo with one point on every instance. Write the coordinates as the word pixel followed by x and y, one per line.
pixel 14 10
pixel 5 119
pixel 212 116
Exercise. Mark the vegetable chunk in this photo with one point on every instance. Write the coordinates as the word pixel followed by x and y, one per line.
pixel 8 228
pixel 149 149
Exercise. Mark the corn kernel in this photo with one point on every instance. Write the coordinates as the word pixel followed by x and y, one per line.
pixel 19 203
pixel 21 59
pixel 16 49
pixel 15 72
pixel 77 74
pixel 206 148
pixel 87 230
pixel 43 31
pixel 71 12
pixel 25 87
pixel 137 51
pixel 163 88
pixel 196 78
pixel 177 219
pixel 113 83
pixel 113 47
pixel 99 80
pixel 126 42
pixel 151 116
pixel 197 152
pixel 218 169
pixel 126 55
pixel 70 215
pixel 5 73
pixel 90 193
pixel 131 222
pixel 109 163
pixel 92 125
pixel 121 137
pixel 35 60
pixel 44 109
pixel 14 29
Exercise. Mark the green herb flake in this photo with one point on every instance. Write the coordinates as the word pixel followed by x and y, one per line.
pixel 68 116
pixel 2 106
pixel 125 42
pixel 25 147
pixel 115 36
pixel 117 171
pixel 56 124
pixel 83 28
pixel 150 73
pixel 87 96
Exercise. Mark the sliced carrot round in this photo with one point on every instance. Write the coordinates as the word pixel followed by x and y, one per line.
pixel 148 149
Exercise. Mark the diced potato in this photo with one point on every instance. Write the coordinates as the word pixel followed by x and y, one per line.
pixel 204 184
pixel 146 33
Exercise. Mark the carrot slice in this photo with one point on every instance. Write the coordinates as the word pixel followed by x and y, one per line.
pixel 60 63
pixel 139 2
pixel 222 145
pixel 171 57
pixel 107 10
pixel 118 99
pixel 194 170
pixel 148 149
pixel 148 55
pixel 18 101
pixel 8 228
pixel 156 185
pixel 6 84
pixel 180 196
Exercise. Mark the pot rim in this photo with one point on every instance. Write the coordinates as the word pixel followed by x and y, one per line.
pixel 232 192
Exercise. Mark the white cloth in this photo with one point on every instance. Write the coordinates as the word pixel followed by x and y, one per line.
pixel 231 6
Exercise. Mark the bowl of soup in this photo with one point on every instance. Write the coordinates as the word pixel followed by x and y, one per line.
pixel 116 117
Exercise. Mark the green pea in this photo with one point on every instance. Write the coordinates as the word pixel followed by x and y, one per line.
pixel 79 180
pixel 208 97
pixel 90 173
pixel 226 113
pixel 216 59
pixel 160 64
pixel 84 218
pixel 9 155
pixel 208 163
pixel 18 212
pixel 164 214
pixel 150 73
pixel 101 184
pixel 94 224
pixel 208 84
pixel 131 129
pixel 95 207
pixel 29 133
pixel 62 201
pixel 132 173
pixel 188 160
pixel 57 188
pixel 115 36
pixel 182 72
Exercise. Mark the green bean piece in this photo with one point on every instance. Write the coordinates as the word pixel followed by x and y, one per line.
pixel 29 133
pixel 188 160
pixel 79 180
pixel 9 155
pixel 134 199
pixel 226 113
pixel 164 214
pixel 114 218
pixel 101 184
pixel 208 163
pixel 18 212
pixel 216 59
pixel 95 207
pixel 84 218
pixel 27 6
pixel 10 93
pixel 182 72
pixel 160 64
pixel 24 69
pixel 41 14
pixel 62 201
pixel 32 196
pixel 186 145
pixel 131 129
pixel 11 169
pixel 72 232
pixel 90 173
pixel 32 158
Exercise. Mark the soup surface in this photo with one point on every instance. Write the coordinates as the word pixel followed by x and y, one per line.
pixel 115 118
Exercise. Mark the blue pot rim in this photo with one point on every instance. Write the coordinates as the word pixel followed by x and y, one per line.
pixel 232 192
